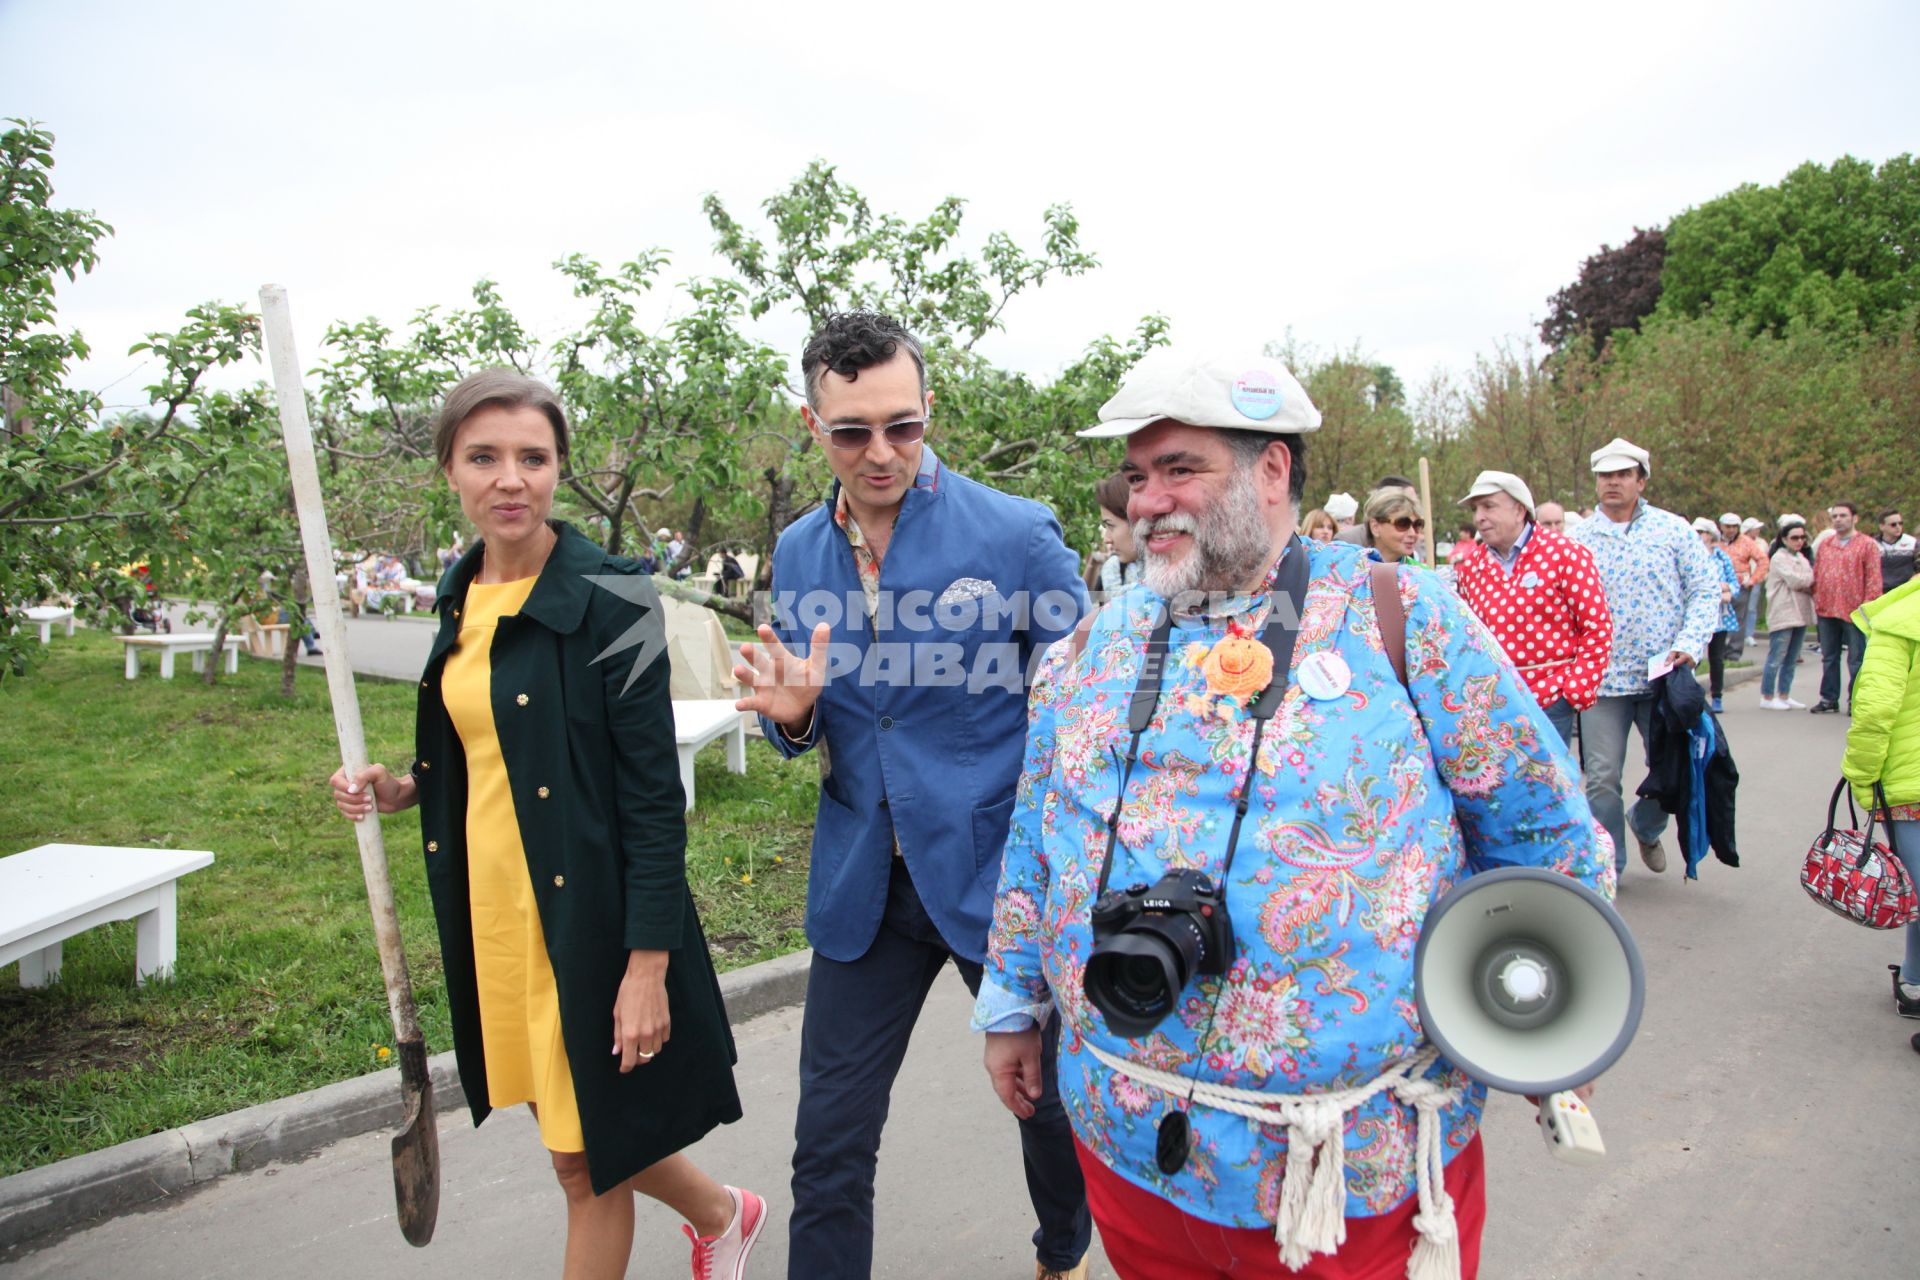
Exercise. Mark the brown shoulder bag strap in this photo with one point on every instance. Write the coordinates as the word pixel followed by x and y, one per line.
pixel 1392 616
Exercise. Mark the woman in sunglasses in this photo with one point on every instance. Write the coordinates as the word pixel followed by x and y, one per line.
pixel 1789 613
pixel 1394 524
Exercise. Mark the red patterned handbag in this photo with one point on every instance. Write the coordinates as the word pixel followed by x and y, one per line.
pixel 1850 874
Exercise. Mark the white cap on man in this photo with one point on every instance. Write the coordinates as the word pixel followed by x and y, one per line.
pixel 1703 525
pixel 1207 389
pixel 1342 507
pixel 1500 482
pixel 1752 524
pixel 1729 518
pixel 1620 453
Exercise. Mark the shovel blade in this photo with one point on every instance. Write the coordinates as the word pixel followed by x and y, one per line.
pixel 416 1149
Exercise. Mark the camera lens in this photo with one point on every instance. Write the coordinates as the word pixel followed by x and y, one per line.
pixel 1134 977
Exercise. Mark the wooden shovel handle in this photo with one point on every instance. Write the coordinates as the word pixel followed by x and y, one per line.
pixel 330 621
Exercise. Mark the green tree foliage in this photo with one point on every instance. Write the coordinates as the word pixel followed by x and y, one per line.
pixel 1835 246
pixel 79 495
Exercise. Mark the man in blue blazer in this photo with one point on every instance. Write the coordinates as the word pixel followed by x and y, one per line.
pixel 909 609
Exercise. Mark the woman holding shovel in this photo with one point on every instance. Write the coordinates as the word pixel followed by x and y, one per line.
pixel 552 818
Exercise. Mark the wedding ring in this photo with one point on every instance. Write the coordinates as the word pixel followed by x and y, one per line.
pixel 642 1054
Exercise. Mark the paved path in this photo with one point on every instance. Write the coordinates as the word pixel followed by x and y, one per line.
pixel 1760 1127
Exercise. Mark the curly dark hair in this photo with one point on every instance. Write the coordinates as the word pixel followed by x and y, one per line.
pixel 856 340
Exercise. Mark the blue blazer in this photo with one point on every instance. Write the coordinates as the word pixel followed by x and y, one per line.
pixel 923 719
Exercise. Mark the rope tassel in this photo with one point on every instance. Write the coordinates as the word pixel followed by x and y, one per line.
pixel 1311 1218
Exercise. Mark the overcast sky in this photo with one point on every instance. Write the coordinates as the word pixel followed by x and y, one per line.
pixel 1414 178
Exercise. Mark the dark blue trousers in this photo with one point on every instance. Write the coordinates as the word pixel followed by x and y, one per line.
pixel 853 1037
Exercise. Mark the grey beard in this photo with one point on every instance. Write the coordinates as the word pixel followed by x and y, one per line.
pixel 1231 543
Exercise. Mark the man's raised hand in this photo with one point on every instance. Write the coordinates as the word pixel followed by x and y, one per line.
pixel 782 687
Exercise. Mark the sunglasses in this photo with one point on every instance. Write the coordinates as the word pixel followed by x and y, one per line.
pixel 897 433
pixel 1404 523
pixel 1796 537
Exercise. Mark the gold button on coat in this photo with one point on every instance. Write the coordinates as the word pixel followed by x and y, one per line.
pixel 433 846
pixel 522 699
pixel 426 764
pixel 542 793
pixel 559 882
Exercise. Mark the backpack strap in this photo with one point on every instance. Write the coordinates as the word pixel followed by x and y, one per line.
pixel 1392 617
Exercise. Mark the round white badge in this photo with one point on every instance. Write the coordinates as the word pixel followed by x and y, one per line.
pixel 1531 581
pixel 1324 676
pixel 1256 394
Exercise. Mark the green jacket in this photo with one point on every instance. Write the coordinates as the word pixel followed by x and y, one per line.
pixel 1884 742
pixel 596 789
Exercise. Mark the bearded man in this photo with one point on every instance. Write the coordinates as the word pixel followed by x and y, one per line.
pixel 1236 735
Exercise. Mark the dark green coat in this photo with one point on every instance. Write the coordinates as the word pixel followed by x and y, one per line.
pixel 596 789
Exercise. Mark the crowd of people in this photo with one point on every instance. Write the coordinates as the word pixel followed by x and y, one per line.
pixel 1279 720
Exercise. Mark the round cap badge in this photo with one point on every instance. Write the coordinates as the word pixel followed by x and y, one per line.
pixel 1324 676
pixel 1256 394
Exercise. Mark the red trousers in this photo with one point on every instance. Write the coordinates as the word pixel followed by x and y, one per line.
pixel 1146 1238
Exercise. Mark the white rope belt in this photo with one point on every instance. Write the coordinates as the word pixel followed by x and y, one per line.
pixel 1313 1192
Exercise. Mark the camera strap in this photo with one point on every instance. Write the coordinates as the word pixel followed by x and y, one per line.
pixel 1279 635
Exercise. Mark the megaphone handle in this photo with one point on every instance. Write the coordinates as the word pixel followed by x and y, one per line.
pixel 1570 1130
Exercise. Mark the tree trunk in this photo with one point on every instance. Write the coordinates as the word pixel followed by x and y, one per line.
pixel 779 516
pixel 217 658
pixel 290 651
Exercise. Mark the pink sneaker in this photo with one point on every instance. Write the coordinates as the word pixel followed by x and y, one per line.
pixel 724 1257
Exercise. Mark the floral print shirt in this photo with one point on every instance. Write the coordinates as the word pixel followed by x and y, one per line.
pixel 1846 575
pixel 1367 805
pixel 1729 578
pixel 1661 587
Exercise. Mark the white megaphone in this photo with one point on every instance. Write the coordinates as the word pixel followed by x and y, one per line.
pixel 1529 982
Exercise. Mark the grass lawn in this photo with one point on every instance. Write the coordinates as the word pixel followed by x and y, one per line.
pixel 277 986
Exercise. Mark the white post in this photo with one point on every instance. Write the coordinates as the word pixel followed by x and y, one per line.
pixel 737 747
pixel 46 632
pixel 156 937
pixel 166 662
pixel 133 661
pixel 686 773
pixel 40 968
pixel 233 657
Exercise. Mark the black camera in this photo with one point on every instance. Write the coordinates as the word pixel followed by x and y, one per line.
pixel 1147 944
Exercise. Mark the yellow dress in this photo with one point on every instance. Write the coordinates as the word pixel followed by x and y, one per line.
pixel 519 1007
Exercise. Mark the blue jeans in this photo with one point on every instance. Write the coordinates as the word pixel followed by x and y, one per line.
pixel 853 1036
pixel 1783 651
pixel 1905 839
pixel 1603 758
pixel 1835 633
pixel 1561 715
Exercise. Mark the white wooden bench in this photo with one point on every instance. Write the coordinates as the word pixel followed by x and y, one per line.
pixel 45 615
pixel 197 643
pixel 697 722
pixel 52 893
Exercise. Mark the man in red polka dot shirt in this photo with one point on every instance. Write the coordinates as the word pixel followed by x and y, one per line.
pixel 1541 597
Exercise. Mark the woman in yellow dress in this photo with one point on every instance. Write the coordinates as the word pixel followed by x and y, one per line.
pixel 552 820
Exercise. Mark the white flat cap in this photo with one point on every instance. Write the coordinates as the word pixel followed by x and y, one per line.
pixel 1342 506
pixel 1500 482
pixel 1620 453
pixel 1751 523
pixel 1730 518
pixel 1703 525
pixel 1207 389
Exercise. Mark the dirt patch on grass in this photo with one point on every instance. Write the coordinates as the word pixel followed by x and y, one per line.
pixel 44 1040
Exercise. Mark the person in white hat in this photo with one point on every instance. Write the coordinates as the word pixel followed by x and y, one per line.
pixel 1282 765
pixel 1665 599
pixel 1750 566
pixel 1540 595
